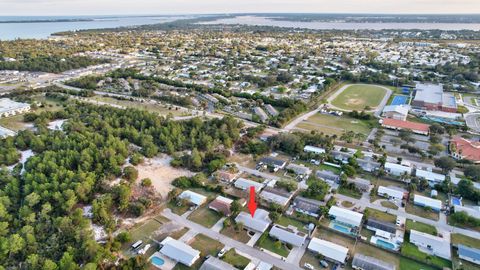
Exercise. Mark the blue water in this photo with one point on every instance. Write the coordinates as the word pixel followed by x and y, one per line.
pixel 9 31
pixel 341 228
pixel 385 244
pixel 456 201
pixel 157 261
pixel 399 100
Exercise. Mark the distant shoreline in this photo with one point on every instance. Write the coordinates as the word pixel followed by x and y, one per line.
pixel 48 21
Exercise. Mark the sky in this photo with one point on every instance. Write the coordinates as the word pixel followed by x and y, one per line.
pixel 114 7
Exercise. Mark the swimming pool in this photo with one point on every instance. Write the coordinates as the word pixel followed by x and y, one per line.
pixel 385 244
pixel 399 100
pixel 456 201
pixel 341 228
pixel 157 261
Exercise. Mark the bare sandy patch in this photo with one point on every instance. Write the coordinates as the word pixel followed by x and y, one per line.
pixel 161 172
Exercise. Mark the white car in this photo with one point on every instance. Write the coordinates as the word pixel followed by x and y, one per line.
pixel 222 252
pixel 308 266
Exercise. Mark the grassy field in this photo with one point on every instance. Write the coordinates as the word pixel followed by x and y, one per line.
pixel 421 211
pixel 389 204
pixel 268 243
pixel 357 97
pixel 372 251
pixel 206 245
pixel 465 240
pixel 330 124
pixel 349 192
pixel 421 227
pixel 408 264
pixel 235 259
pixel 329 168
pixel 241 236
pixel 205 217
pixel 411 250
pixel 379 215
pixel 142 231
pixel 285 221
pixel 336 238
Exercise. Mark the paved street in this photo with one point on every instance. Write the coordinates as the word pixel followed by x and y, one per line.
pixel 241 247
pixel 257 172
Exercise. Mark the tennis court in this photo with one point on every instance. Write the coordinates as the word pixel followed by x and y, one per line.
pixel 399 100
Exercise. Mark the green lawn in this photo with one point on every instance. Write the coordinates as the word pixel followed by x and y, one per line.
pixel 142 232
pixel 205 217
pixel 179 210
pixel 330 124
pixel 411 250
pixel 408 264
pixel 235 259
pixel 379 215
pixel 356 97
pixel 268 243
pixel 421 227
pixel 465 240
pixel 241 236
pixel 380 254
pixel 389 204
pixel 285 221
pixel 421 211
pixel 325 167
pixel 206 245
pixel 349 192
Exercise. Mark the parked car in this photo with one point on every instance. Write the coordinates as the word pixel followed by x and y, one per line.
pixel 222 252
pixel 308 266
pixel 324 264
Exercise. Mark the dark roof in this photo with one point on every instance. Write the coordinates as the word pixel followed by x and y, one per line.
pixel 469 252
pixel 327 175
pixel 309 205
pixel 272 161
pixel 370 263
pixel 381 225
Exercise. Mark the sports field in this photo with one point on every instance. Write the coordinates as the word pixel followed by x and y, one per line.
pixel 330 124
pixel 358 96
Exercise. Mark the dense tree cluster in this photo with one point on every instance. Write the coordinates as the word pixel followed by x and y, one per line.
pixel 53 64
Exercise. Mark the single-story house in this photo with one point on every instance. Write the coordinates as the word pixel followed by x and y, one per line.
pixel 368 165
pixel 289 235
pixel 397 169
pixel 341 156
pixel 419 128
pixel 313 149
pixel 423 201
pixel 431 244
pixel 307 206
pixel 299 169
pixel 362 262
pixel 329 250
pixel 345 216
pixel 258 223
pixel 469 254
pixel 263 266
pixel 328 176
pixel 179 251
pixel 245 184
pixel 461 148
pixel 362 184
pixel 374 225
pixel 213 263
pixel 193 197
pixel 225 176
pixel 275 163
pixel 221 205
pixel 273 195
pixel 431 177
pixel 390 193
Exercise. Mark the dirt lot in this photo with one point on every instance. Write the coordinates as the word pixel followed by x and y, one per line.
pixel 162 174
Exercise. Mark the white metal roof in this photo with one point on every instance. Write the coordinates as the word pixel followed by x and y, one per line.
pixel 179 251
pixel 397 167
pixel 346 216
pixel 7 105
pixel 328 249
pixel 245 184
pixel 426 201
pixel 397 194
pixel 430 176
pixel 314 149
pixel 286 235
pixel 469 210
pixel 214 263
pixel 440 246
pixel 193 197
pixel 259 222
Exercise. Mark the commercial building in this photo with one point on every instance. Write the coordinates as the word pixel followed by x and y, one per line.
pixel 391 193
pixel 179 251
pixel 9 107
pixel 431 97
pixel 430 244
pixel 469 254
pixel 363 262
pixel 423 201
pixel 399 112
pixel 193 197
pixel 289 235
pixel 329 250
pixel 461 148
pixel 258 223
pixel 397 169
pixel 419 128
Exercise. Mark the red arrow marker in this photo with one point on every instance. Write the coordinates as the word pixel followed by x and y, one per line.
pixel 252 205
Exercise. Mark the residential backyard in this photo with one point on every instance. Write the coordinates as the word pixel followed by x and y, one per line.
pixel 358 96
pixel 421 227
pixel 235 259
pixel 410 250
pixel 206 245
pixel 241 236
pixel 205 217
pixel 379 215
pixel 421 211
pixel 272 245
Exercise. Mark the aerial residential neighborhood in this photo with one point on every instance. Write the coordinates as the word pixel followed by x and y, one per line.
pixel 230 140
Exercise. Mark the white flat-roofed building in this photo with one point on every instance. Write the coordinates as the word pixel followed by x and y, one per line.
pixel 179 251
pixel 9 107
pixel 258 223
pixel 397 169
pixel 469 254
pixel 473 212
pixel 362 262
pixel 329 250
pixel 193 197
pixel 345 216
pixel 427 202
pixel 313 149
pixel 288 235
pixel 390 193
pixel 430 244
pixel 272 195
pixel 431 177
pixel 245 184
